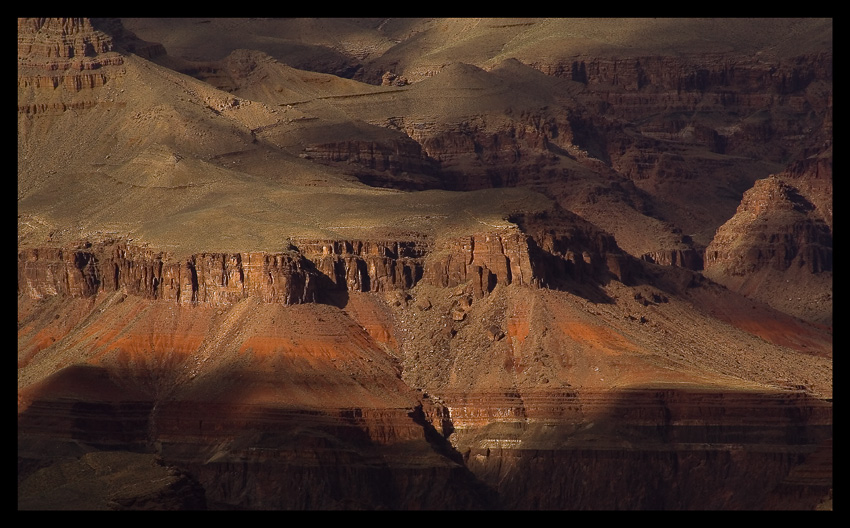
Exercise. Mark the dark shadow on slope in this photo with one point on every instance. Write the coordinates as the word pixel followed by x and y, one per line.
pixel 662 447
pixel 568 253
pixel 484 495
pixel 558 273
pixel 239 455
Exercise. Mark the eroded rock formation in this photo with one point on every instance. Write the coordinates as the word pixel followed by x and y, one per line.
pixel 777 248
pixel 214 278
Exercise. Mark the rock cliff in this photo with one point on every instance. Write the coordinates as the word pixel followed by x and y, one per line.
pixel 68 53
pixel 214 278
pixel 714 446
pixel 311 266
pixel 780 99
pixel 777 248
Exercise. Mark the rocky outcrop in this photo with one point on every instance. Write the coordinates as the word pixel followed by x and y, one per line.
pixel 77 55
pixel 67 52
pixel 292 277
pixel 381 163
pixel 366 266
pixel 486 259
pixel 566 248
pixel 772 229
pixel 706 72
pixel 778 249
pixel 313 266
pixel 812 177
pixel 60 38
pixel 684 258
pixel 478 152
pixel 215 278
pixel 741 105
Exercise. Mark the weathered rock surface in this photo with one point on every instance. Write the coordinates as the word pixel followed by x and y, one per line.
pixel 367 266
pixel 68 53
pixel 777 249
pixel 206 278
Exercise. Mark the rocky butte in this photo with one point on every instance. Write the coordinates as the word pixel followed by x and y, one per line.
pixel 424 264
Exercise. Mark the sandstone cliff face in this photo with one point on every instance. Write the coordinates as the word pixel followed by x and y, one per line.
pixel 66 52
pixel 565 247
pixel 60 38
pixel 203 278
pixel 669 88
pixel 293 277
pixel 77 55
pixel 803 242
pixel 486 259
pixel 778 249
pixel 366 266
pixel 312 266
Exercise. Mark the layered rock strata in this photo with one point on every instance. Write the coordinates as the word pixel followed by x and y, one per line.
pixel 777 248
pixel 669 448
pixel 801 242
pixel 204 278
pixel 299 274
pixel 369 159
pixel 365 266
pixel 62 61
pixel 240 388
pixel 291 277
pixel 66 53
pixel 487 260
pixel 631 88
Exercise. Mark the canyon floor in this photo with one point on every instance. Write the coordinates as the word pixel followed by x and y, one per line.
pixel 425 264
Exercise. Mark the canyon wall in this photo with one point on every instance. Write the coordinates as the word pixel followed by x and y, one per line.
pixel 203 278
pixel 666 448
pixel 309 267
